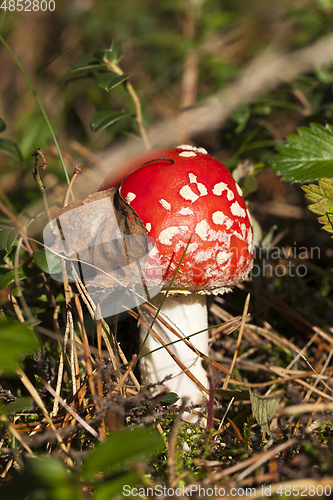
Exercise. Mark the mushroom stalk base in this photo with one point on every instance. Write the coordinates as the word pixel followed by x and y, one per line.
pixel 189 314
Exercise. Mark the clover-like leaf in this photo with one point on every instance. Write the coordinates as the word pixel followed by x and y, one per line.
pixel 321 196
pixel 307 155
pixel 8 236
pixel 82 68
pixel 50 264
pixel 23 273
pixel 112 50
pixel 104 119
pixel 108 81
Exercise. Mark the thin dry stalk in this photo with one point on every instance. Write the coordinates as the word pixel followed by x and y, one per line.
pixel 17 309
pixel 138 117
pixel 73 353
pixel 99 348
pixel 122 355
pixel 61 360
pixel 86 347
pixel 186 341
pixel 34 394
pixel 71 411
pixel 77 171
pixel 90 306
pixel 121 382
pixel 16 435
pixel 239 340
pixel 263 458
pixel 181 365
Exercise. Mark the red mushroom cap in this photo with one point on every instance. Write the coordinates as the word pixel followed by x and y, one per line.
pixel 182 192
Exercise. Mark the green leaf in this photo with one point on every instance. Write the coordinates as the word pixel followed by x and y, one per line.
pixel 112 50
pixel 87 65
pixel 9 147
pixel 7 236
pixel 116 485
pixel 36 134
pixel 306 156
pixel 264 408
pixel 2 125
pixel 18 406
pixel 22 272
pixel 241 116
pixel 240 395
pixel 16 341
pixel 103 119
pixel 50 264
pixel 128 445
pixel 322 197
pixel 169 399
pixel 44 478
pixel 108 81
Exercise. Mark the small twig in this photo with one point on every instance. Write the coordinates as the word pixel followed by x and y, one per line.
pixel 216 433
pixel 37 152
pixel 86 347
pixel 70 410
pixel 210 420
pixel 61 361
pixel 29 386
pixel 77 171
pixel 181 365
pixel 186 340
pixel 126 374
pixel 14 433
pixel 261 459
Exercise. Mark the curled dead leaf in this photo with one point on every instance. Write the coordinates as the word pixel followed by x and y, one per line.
pixel 106 246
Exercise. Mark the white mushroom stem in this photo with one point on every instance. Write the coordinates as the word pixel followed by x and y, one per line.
pixel 189 314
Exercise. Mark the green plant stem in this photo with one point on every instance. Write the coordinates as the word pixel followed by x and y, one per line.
pixel 112 66
pixel 40 105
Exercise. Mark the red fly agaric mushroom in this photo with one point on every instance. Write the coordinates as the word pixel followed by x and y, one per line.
pixel 183 194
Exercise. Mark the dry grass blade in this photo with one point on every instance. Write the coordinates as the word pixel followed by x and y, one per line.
pixel 185 340
pixel 305 408
pixel 86 347
pixel 174 357
pixel 181 365
pixel 121 382
pixel 261 459
pixel 71 411
pixel 239 340
pixel 34 394
pixel 16 434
